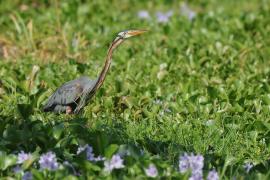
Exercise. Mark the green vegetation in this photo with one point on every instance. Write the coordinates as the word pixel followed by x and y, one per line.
pixel 200 86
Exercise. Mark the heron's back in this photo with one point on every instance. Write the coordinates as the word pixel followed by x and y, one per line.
pixel 73 93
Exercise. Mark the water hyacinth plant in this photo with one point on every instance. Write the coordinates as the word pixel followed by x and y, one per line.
pixel 151 171
pixel 186 11
pixel 191 162
pixel 48 161
pixel 90 156
pixel 212 175
pixel 116 162
pixel 143 14
pixel 196 176
pixel 17 169
pixel 163 17
pixel 27 176
pixel 22 156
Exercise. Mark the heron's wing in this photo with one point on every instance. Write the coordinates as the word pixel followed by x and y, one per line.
pixel 86 95
pixel 68 93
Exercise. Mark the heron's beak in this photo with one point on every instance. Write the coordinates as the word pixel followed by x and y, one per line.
pixel 136 32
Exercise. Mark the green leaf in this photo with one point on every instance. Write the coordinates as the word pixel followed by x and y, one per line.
pixel 25 110
pixel 38 175
pixel 58 130
pixel 27 164
pixel 91 167
pixel 7 160
pixel 212 92
pixel 266 99
pixel 111 150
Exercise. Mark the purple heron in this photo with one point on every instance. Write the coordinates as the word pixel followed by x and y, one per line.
pixel 74 95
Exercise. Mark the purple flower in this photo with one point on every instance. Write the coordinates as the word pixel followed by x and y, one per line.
pixel 163 17
pixel 22 156
pixel 48 161
pixel 151 171
pixel 196 176
pixel 27 176
pixel 184 163
pixel 115 163
pixel 89 152
pixel 90 156
pixel 196 162
pixel 186 11
pixel 248 166
pixel 143 14
pixel 82 148
pixel 17 169
pixel 191 162
pixel 212 175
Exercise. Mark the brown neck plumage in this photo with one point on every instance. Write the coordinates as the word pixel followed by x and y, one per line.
pixel 107 64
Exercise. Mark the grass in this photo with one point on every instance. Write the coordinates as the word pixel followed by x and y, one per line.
pixel 198 86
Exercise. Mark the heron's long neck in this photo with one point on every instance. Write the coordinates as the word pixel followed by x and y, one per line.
pixel 107 64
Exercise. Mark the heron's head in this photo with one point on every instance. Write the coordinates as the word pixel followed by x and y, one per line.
pixel 129 33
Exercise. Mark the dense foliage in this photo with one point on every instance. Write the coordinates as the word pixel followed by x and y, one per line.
pixel 195 88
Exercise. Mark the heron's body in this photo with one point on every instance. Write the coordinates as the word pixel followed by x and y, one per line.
pixel 71 96
pixel 74 95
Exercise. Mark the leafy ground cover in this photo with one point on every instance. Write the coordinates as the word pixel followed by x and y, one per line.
pixel 188 99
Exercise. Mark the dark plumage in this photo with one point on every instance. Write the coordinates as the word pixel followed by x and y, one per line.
pixel 71 95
